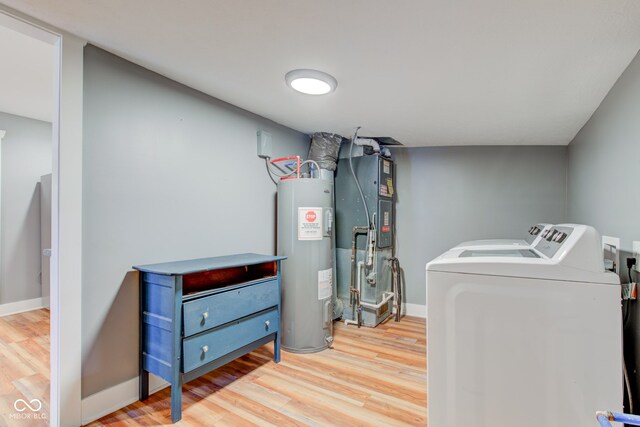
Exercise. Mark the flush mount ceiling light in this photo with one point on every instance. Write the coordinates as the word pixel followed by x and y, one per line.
pixel 311 82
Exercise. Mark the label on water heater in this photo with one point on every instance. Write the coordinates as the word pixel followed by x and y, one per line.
pixel 309 223
pixel 325 283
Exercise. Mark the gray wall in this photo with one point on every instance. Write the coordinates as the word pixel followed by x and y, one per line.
pixel 447 195
pixel 603 185
pixel 604 163
pixel 26 155
pixel 169 173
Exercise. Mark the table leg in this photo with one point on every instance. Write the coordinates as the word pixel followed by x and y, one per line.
pixel 276 348
pixel 144 384
pixel 176 401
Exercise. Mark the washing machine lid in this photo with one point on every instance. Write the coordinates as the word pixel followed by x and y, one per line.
pixel 568 252
pixel 532 237
pixel 493 243
pixel 497 252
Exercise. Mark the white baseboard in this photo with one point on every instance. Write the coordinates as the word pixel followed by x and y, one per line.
pixel 416 310
pixel 20 306
pixel 117 397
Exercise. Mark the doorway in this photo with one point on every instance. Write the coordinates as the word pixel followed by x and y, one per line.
pixel 64 401
pixel 26 164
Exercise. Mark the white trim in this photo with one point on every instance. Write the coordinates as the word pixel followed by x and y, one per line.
pixel 66 216
pixel 416 310
pixel 66 235
pixel 20 306
pixel 117 397
pixel 16 21
pixel 2 134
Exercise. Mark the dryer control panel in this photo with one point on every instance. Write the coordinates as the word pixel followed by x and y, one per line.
pixel 533 233
pixel 552 240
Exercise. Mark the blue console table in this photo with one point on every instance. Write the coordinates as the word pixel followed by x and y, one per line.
pixel 198 315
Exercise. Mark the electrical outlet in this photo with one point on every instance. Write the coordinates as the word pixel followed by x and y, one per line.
pixel 610 247
pixel 636 254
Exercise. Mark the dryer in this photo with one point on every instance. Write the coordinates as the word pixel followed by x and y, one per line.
pixel 524 336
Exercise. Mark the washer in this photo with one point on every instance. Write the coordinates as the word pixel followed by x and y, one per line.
pixel 531 238
pixel 526 336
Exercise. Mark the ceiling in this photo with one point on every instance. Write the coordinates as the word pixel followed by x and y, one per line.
pixel 26 75
pixel 426 72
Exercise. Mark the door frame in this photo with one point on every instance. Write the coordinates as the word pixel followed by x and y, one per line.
pixel 66 216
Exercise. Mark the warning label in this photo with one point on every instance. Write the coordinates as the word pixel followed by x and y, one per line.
pixel 386 167
pixel 309 223
pixel 325 283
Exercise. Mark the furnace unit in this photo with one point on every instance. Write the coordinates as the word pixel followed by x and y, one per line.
pixel 366 283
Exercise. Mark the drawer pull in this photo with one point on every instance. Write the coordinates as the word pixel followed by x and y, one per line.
pixel 267 323
pixel 205 315
pixel 205 348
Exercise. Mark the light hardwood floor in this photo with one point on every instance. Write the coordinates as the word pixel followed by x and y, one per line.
pixel 24 367
pixel 371 377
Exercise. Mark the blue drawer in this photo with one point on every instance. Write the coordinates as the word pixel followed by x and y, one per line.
pixel 208 312
pixel 208 346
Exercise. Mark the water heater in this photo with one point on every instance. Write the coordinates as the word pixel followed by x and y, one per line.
pixel 305 228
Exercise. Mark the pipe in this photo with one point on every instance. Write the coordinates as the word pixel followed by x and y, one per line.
pixel 296 170
pixel 395 286
pixel 355 291
pixel 387 297
pixel 633 420
pixel 625 374
pixel 359 306
pixel 311 170
pixel 369 143
pixel 355 178
pixel 370 248
pixel 356 231
pixel 354 294
pixel 297 158
pixel 276 165
pixel 605 416
pixel 604 421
